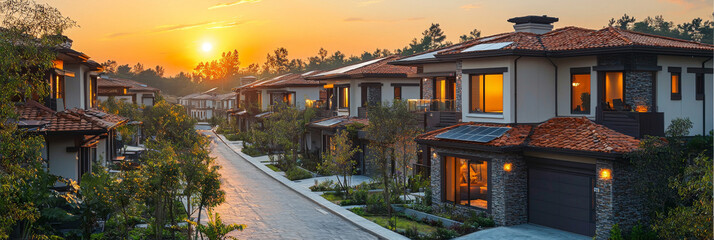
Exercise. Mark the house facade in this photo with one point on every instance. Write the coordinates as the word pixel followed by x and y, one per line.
pixel 125 90
pixel 547 116
pixel 292 89
pixel 351 88
pixel 77 134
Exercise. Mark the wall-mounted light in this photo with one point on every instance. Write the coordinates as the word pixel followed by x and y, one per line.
pixel 605 174
pixel 433 155
pixel 507 167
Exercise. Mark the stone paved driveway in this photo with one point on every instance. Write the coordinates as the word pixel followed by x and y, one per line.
pixel 271 210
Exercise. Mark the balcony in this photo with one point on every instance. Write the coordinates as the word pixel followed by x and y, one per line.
pixel 435 113
pixel 431 105
pixel 636 124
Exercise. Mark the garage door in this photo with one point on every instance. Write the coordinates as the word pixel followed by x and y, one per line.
pixel 562 197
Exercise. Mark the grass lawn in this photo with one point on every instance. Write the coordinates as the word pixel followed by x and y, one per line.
pixel 332 197
pixel 275 168
pixel 402 224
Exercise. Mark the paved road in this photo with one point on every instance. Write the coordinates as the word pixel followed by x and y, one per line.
pixel 271 210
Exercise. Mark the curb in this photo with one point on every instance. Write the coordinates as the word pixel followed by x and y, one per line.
pixel 363 223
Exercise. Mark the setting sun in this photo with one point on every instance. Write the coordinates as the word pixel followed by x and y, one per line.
pixel 207 47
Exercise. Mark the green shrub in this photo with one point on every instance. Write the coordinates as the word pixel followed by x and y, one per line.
pixel 297 173
pixel 443 234
pixel 640 232
pixel 358 211
pixel 358 196
pixel 375 204
pixel 233 137
pixel 273 167
pixel 252 151
pixel 616 233
pixel 327 185
pixel 412 233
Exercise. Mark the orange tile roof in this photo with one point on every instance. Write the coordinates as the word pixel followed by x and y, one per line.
pixel 379 68
pixel 565 133
pixel 581 134
pixel 69 120
pixel 133 86
pixel 564 40
pixel 293 80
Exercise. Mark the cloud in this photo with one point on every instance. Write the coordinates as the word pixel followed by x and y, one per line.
pixel 470 6
pixel 233 3
pixel 180 27
pixel 357 19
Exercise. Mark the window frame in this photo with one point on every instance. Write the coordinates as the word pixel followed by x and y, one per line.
pixel 340 96
pixel 675 71
pixel 489 175
pixel 483 95
pixel 580 71
pixel 603 93
pixel 699 86
pixel 397 92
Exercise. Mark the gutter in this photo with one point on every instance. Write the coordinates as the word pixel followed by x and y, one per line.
pixel 704 101
pixel 515 87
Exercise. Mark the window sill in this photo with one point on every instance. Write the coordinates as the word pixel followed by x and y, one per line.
pixel 485 115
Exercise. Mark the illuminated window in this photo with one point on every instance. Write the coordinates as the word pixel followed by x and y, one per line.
pixel 466 182
pixel 580 94
pixel 344 97
pixel 288 99
pixel 397 92
pixel 444 88
pixel 676 81
pixel 614 93
pixel 486 93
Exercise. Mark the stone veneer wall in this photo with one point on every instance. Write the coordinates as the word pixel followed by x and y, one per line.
pixel 459 72
pixel 638 89
pixel 427 88
pixel 509 190
pixel 628 205
pixel 605 216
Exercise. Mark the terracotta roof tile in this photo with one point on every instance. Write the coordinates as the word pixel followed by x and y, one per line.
pixel 69 120
pixel 376 67
pixel 581 134
pixel 568 133
pixel 294 80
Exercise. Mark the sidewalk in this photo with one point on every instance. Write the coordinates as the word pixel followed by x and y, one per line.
pixel 361 222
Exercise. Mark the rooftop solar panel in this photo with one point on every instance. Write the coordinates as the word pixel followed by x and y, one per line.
pixel 329 122
pixel 474 133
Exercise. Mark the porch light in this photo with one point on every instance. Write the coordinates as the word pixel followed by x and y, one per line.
pixel 507 167
pixel 605 174
pixel 575 84
pixel 433 155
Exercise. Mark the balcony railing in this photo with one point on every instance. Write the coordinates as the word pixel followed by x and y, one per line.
pixel 426 105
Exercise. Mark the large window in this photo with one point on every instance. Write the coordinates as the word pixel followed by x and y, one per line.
pixel 344 97
pixel 288 99
pixel 486 93
pixel 614 90
pixel 676 81
pixel 466 182
pixel 580 93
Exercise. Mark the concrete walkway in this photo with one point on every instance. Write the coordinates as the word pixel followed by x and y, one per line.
pixel 287 207
pixel 524 231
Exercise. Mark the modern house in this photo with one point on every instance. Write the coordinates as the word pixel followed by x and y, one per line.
pixel 125 90
pixel 292 89
pixel 77 134
pixel 320 132
pixel 547 116
pixel 351 88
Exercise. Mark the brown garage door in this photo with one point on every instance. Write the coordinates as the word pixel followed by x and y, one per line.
pixel 561 196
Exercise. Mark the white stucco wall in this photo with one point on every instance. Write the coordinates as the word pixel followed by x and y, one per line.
pixel 102 156
pixel 303 93
pixel 536 90
pixel 74 86
pixel 688 106
pixel 564 84
pixel 387 91
pixel 63 163
pixel 507 116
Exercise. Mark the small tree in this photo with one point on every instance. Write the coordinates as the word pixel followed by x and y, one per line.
pixel 215 229
pixel 387 124
pixel 339 159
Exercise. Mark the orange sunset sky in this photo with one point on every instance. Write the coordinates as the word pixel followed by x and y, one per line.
pixel 172 33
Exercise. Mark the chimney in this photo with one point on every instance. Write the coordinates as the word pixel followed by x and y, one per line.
pixel 533 24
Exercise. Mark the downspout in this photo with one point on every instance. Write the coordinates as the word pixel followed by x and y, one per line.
pixel 515 87
pixel 556 73
pixel 704 100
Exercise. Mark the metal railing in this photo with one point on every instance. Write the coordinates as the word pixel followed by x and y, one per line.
pixel 424 105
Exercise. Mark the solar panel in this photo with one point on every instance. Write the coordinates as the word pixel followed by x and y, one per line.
pixel 472 133
pixel 329 122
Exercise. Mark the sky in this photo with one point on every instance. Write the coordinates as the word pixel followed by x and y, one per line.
pixel 179 34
